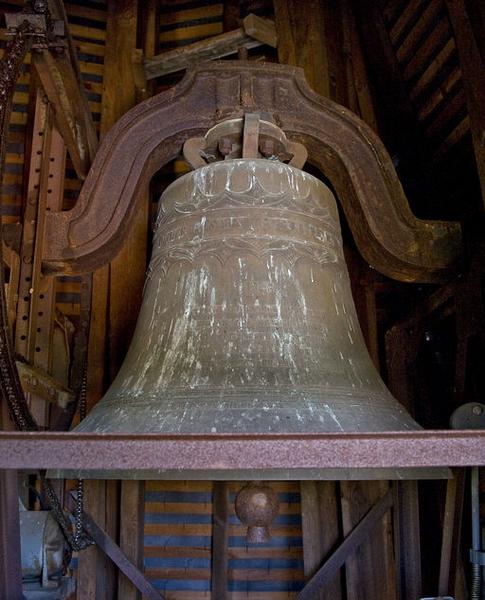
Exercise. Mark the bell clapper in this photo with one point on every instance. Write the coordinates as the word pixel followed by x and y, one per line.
pixel 257 506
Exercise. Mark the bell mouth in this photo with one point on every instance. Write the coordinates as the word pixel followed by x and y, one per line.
pixel 291 410
pixel 219 412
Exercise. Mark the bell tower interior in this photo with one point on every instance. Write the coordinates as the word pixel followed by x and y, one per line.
pixel 242 300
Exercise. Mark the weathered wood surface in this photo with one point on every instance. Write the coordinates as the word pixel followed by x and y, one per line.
pixel 320 528
pixel 351 546
pixel 472 64
pixel 254 33
pixel 131 533
pixel 370 570
pixel 115 308
pixel 61 79
pixel 220 541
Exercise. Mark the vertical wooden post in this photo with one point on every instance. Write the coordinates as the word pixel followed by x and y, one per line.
pixel 407 542
pixel 220 540
pixel 320 530
pixel 301 34
pixel 131 533
pixel 370 571
pixel 10 563
pixel 116 296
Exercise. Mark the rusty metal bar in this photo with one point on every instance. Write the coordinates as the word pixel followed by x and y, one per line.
pixel 349 545
pixel 224 452
pixel 10 564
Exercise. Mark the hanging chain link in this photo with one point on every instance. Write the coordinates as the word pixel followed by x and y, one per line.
pixel 10 386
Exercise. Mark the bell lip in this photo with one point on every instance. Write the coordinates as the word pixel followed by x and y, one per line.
pixel 331 474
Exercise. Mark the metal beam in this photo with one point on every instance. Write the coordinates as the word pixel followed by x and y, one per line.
pixel 226 451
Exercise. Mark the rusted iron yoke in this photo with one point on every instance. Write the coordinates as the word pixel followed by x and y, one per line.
pixel 345 149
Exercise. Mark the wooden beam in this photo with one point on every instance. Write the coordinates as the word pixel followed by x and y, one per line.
pixel 320 530
pixel 115 304
pixel 450 545
pixel 10 559
pixel 132 512
pixel 353 540
pixel 407 541
pixel 370 571
pixel 260 29
pixel 60 76
pixel 216 46
pixel 220 540
pixel 300 28
pixel 105 543
pixel 472 65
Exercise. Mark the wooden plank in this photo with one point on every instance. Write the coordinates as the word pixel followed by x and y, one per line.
pixel 220 541
pixel 300 28
pixel 450 545
pixel 92 561
pixel 472 63
pixel 181 34
pixel 397 30
pixel 357 78
pixel 429 16
pixel 214 47
pixel 351 544
pixel 407 540
pixel 107 545
pixel 424 54
pixel 131 533
pixel 319 514
pixel 370 572
pixel 10 558
pixel 260 29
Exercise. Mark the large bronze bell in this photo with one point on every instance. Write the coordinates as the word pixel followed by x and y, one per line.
pixel 248 322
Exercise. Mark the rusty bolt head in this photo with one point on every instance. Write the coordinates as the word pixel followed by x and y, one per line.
pixel 266 147
pixel 225 146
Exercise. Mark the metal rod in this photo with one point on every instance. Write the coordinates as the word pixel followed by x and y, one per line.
pixel 476 542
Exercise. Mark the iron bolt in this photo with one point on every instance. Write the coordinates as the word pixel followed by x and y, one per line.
pixel 225 146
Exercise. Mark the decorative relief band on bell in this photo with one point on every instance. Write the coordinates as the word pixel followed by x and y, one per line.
pixel 245 207
pixel 247 183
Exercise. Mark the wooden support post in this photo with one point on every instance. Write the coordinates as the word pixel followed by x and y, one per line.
pixel 220 540
pixel 216 46
pixel 117 290
pixel 10 562
pixel 348 547
pixel 93 572
pixel 131 533
pixel 300 27
pixel 110 549
pixel 407 542
pixel 320 530
pixel 450 545
pixel 370 571
pixel 472 65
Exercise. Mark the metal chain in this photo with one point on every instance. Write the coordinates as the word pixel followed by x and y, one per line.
pixel 10 386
